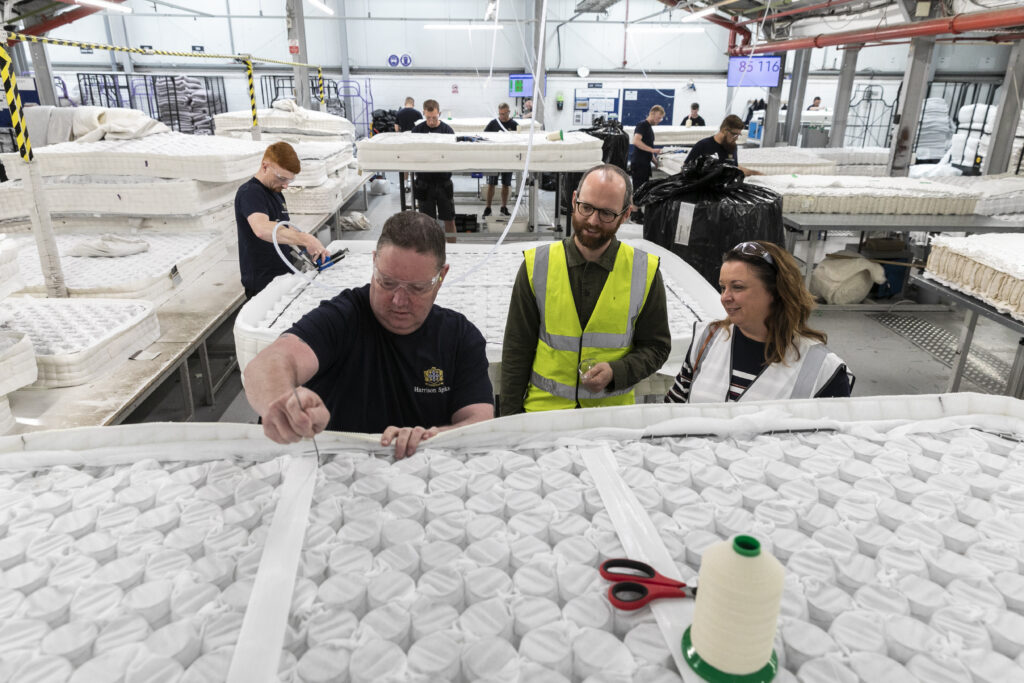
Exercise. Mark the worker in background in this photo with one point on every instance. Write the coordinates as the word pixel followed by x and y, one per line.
pixel 527 108
pixel 763 349
pixel 694 119
pixel 381 358
pixel 434 192
pixel 259 205
pixel 644 150
pixel 407 116
pixel 588 317
pixel 815 105
pixel 722 145
pixel 504 122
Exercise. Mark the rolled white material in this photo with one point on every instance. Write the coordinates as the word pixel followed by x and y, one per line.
pixel 73 642
pixel 449 527
pixel 860 631
pixel 826 670
pixel 404 558
pixel 345 591
pixel 538 579
pixel 804 642
pixel 589 611
pixel 222 630
pixel 647 644
pixel 438 554
pixel 349 559
pixel 934 669
pixel 737 606
pixel 484 583
pixel 433 617
pixel 179 641
pixel 576 579
pixel 444 585
pixel 389 622
pixel 37 669
pixel 435 657
pixel 390 587
pixel 324 664
pixel 488 618
pixel 532 612
pixel 377 660
pixel 597 652
pixel 124 630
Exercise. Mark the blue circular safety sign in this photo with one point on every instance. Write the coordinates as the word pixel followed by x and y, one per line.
pixel 407 59
pixel 392 60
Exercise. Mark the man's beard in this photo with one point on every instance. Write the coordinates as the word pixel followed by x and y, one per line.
pixel 590 242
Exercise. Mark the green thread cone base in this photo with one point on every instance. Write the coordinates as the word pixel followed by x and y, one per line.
pixel 713 675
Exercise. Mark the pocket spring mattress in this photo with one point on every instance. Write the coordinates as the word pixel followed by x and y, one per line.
pixel 988 267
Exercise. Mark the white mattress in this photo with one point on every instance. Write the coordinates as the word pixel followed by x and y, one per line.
pixel 144 276
pixel 856 194
pixel 15 200
pixel 899 511
pixel 1000 194
pixel 483 297
pixel 7 421
pixel 17 362
pixel 770 161
pixel 78 340
pixel 989 267
pixel 476 124
pixel 10 273
pixel 324 198
pixel 681 135
pixel 498 152
pixel 305 121
pixel 292 138
pixel 854 156
pixel 166 155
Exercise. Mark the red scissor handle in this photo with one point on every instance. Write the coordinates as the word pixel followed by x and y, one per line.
pixel 638 572
pixel 632 595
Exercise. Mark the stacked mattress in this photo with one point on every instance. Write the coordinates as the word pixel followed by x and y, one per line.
pixel 988 267
pixel 79 340
pixel 477 125
pixel 855 194
pixel 146 275
pixel 872 161
pixel 17 357
pixel 483 297
pixel 670 136
pixel 1000 194
pixel 770 161
pixel 301 121
pixel 141 549
pixel 10 273
pixel 490 152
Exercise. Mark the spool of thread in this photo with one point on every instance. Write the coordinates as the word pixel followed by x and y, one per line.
pixel 736 612
pixel 556 136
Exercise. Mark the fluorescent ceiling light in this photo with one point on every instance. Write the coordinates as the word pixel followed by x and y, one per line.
pixel 321 6
pixel 463 27
pixel 663 28
pixel 697 15
pixel 104 4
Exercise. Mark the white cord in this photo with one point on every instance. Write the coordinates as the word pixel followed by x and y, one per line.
pixel 311 279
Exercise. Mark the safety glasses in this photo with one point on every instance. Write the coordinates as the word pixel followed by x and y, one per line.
pixel 754 249
pixel 391 284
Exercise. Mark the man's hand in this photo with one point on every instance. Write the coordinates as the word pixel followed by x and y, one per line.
pixel 317 251
pixel 286 421
pixel 406 439
pixel 597 378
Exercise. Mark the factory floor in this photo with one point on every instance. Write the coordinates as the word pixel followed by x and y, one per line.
pixel 883 361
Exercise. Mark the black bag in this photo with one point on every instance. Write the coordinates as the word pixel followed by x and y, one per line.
pixel 725 212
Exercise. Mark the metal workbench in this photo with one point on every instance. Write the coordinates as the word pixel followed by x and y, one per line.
pixel 976 307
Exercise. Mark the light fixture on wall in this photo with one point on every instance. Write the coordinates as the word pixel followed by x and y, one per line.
pixel 664 28
pixel 321 6
pixel 104 4
pixel 463 26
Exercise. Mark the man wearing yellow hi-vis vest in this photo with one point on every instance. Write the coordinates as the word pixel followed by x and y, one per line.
pixel 588 318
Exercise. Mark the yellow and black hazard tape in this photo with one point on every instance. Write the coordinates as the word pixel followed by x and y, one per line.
pixel 74 43
pixel 252 92
pixel 277 61
pixel 320 82
pixel 13 99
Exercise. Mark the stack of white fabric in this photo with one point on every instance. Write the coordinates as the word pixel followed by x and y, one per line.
pixel 185 100
pixel 989 267
pixel 857 194
pixel 973 132
pixel 286 117
pixel 936 130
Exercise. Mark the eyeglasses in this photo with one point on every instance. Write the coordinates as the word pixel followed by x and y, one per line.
pixel 753 249
pixel 281 178
pixel 390 284
pixel 604 215
pixel 734 133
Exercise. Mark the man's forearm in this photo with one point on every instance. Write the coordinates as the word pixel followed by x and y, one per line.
pixel 638 364
pixel 267 377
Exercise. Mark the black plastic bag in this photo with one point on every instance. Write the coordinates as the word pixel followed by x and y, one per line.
pixel 725 212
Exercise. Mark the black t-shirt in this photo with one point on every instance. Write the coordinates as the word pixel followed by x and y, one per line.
pixel 442 127
pixel 711 147
pixel 748 362
pixel 370 378
pixel 646 132
pixel 407 117
pixel 258 260
pixel 495 126
pixel 699 121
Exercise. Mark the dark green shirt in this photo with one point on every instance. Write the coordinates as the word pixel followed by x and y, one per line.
pixel 652 340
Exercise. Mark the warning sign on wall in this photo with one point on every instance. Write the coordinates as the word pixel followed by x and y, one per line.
pixel 293 46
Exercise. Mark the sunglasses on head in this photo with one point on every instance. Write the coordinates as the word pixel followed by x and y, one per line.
pixel 753 249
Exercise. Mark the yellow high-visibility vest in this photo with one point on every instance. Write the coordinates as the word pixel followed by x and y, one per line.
pixel 562 343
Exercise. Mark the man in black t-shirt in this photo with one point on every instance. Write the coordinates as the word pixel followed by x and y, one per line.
pixel 694 119
pixel 434 192
pixel 504 122
pixel 407 116
pixel 381 358
pixel 259 205
pixel 722 145
pixel 644 152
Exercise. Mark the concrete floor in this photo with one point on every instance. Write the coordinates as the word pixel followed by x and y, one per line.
pixel 883 361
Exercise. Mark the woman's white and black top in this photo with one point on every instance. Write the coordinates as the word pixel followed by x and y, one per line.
pixel 748 362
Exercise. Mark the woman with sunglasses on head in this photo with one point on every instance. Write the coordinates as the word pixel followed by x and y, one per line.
pixel 764 349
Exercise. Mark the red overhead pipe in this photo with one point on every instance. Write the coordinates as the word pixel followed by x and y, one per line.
pixel 735 28
pixel 62 19
pixel 961 23
pixel 798 10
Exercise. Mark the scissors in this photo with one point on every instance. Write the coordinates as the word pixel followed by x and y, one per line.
pixel 639 585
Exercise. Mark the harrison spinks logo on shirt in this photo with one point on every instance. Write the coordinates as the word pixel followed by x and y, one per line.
pixel 434 379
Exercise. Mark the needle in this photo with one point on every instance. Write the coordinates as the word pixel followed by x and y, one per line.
pixel 312 438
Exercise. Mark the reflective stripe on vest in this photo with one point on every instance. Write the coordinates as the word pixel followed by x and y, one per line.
pixel 554 381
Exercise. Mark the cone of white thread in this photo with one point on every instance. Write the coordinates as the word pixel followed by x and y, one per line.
pixel 735 613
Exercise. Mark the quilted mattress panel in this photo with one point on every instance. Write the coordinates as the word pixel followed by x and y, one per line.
pixel 854 156
pixel 146 275
pixel 323 198
pixel 483 298
pixel 988 267
pixel 10 273
pixel 293 138
pixel 306 121
pixel 1000 194
pixel 17 362
pixel 78 340
pixel 15 200
pixel 166 155
pixel 495 152
pixel 859 195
